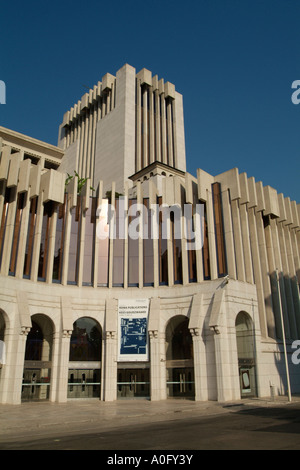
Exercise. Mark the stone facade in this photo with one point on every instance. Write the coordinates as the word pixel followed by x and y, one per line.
pixel 214 329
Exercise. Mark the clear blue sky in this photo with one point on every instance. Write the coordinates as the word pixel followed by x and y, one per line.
pixel 233 60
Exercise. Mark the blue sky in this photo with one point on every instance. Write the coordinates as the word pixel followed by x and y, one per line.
pixel 234 61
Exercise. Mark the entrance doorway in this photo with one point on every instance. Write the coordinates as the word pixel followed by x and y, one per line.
pixel 84 378
pixel 84 383
pixel 133 382
pixel 179 359
pixel 246 354
pixel 37 364
pixel 180 382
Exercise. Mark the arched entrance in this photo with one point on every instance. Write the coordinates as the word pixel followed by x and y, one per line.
pixel 37 364
pixel 84 380
pixel 179 359
pixel 246 354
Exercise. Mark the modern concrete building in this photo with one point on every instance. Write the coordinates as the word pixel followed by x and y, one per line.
pixel 133 278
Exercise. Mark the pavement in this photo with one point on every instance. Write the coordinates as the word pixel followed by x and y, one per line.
pixel 44 419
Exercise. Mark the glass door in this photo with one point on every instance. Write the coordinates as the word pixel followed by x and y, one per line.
pixel 84 383
pixel 36 381
pixel 180 382
pixel 133 383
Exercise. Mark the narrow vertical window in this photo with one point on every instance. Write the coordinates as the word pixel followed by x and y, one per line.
pixel 118 250
pixel 205 250
pixel 30 236
pixel 177 253
pixel 148 264
pixel 74 242
pixel 103 245
pixel 4 220
pixel 219 230
pixel 59 241
pixel 133 250
pixel 16 235
pixel 44 245
pixel 162 250
pixel 89 243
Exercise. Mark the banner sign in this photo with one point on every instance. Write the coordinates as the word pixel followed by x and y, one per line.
pixel 133 331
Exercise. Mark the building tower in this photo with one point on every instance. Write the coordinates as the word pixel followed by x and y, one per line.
pixel 121 126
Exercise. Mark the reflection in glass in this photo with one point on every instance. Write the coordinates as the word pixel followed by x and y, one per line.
pixel 118 251
pixel 44 243
pixel 162 251
pixel 74 242
pixel 86 341
pixel 103 244
pixel 59 241
pixel 89 243
pixel 179 341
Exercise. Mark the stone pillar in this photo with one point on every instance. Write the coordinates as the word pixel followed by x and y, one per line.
pixel 155 366
pixel 12 371
pixel 110 356
pixel 60 367
pixel 109 388
pixel 200 372
pixel 223 368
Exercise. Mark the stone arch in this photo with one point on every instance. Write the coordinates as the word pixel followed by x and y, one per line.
pixel 179 358
pixel 245 340
pixel 86 340
pixel 39 344
pixel 38 359
pixel 85 356
pixel 179 344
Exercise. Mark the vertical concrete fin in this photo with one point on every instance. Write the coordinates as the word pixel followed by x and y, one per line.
pixel 24 312
pixel 217 307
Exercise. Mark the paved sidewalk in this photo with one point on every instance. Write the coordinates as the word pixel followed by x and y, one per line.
pixel 43 419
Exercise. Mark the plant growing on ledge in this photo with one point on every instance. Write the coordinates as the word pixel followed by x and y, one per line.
pixel 81 182
pixel 109 193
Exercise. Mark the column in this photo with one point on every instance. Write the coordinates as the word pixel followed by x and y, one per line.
pixel 200 368
pixel 109 387
pixel 138 126
pixel 60 366
pixel 12 372
pixel 155 366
